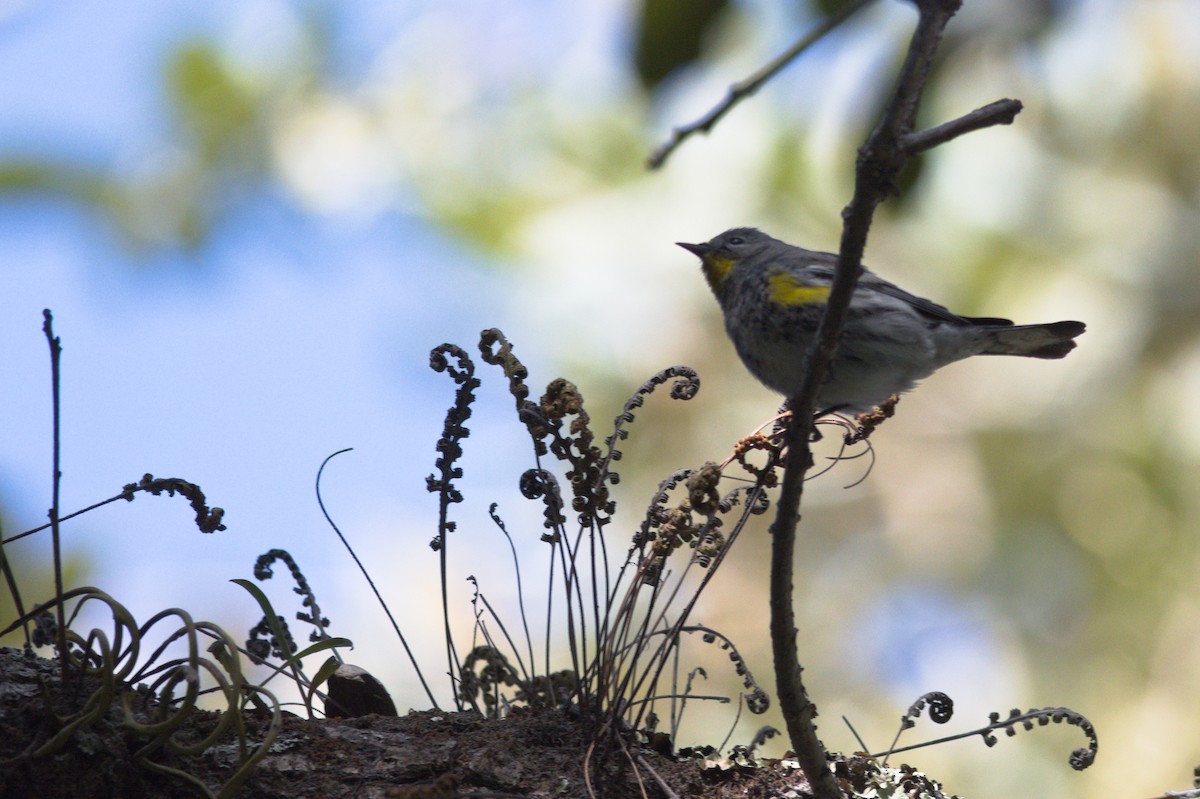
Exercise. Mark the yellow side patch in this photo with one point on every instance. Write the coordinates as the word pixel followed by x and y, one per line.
pixel 786 289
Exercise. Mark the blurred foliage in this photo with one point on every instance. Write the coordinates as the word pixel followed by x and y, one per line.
pixel 218 155
pixel 1056 505
pixel 216 111
pixel 671 34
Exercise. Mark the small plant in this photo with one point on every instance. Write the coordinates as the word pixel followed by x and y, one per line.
pixel 941 710
pixel 127 676
pixel 624 616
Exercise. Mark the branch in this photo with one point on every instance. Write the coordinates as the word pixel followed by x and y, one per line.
pixel 1001 112
pixel 748 86
pixel 880 160
pixel 60 641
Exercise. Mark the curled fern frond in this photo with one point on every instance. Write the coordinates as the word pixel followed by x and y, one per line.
pixel 677 529
pixel 591 500
pixel 760 502
pixel 263 642
pixel 709 543
pixel 262 571
pixel 454 430
pixel 767 473
pixel 686 386
pixel 764 734
pixel 484 672
pixel 114 678
pixel 1080 758
pixel 461 373
pixel 540 484
pixel 503 357
pixel 941 707
pixel 666 530
pixel 757 699
pixel 496 350
pixel 867 422
pixel 656 511
pixel 702 489
pixel 208 521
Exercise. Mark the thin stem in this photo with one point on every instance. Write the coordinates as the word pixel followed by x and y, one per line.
pixel 13 591
pixel 451 651
pixel 55 356
pixel 520 594
pixel 748 86
pixel 367 576
pixel 101 503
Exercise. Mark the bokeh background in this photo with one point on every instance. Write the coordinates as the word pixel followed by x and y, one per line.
pixel 253 219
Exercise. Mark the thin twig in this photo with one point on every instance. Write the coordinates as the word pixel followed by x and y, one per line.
pixel 736 718
pixel 31 531
pixel 587 769
pixel 657 778
pixel 636 774
pixel 520 594
pixel 748 86
pixel 1001 112
pixel 13 591
pixel 678 626
pixel 366 575
pixel 861 745
pixel 526 675
pixel 55 355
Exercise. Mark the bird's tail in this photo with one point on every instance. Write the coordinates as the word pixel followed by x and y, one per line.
pixel 1053 340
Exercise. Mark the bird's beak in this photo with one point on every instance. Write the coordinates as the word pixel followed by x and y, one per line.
pixel 698 250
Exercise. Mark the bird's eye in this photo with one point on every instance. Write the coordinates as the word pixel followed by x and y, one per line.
pixel 735 240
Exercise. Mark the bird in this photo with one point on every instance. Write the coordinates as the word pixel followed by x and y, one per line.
pixel 772 295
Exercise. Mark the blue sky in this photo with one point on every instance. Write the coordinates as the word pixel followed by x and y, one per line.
pixel 238 367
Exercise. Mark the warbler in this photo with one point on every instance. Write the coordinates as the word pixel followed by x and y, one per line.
pixel 773 294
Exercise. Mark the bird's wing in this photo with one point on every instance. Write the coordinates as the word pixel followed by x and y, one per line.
pixel 924 307
pixel 822 265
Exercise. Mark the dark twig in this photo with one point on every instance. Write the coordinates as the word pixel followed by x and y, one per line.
pixel 367 576
pixel 1001 112
pixel 662 784
pixel 879 163
pixel 10 581
pixel 745 88
pixel 101 503
pixel 55 355
pixel 520 589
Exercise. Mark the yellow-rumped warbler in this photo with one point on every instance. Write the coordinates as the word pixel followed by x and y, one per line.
pixel 773 294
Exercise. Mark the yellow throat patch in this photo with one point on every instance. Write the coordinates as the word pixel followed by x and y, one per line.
pixel 788 290
pixel 716 269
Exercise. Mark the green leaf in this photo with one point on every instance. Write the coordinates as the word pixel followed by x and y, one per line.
pixel 670 35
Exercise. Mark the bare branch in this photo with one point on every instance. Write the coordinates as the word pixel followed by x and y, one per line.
pixel 879 162
pixel 1001 112
pixel 744 88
